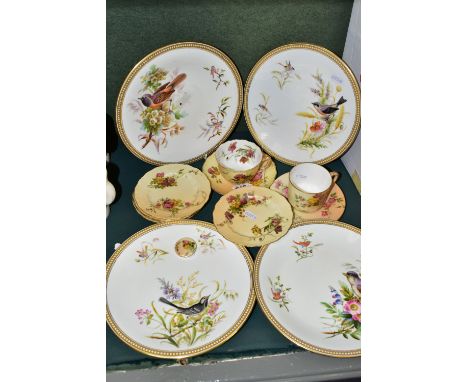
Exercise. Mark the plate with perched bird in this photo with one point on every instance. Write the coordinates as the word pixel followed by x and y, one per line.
pixel 179 289
pixel 302 104
pixel 308 284
pixel 179 103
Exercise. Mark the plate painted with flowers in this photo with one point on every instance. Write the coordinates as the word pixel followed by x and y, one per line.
pixel 302 104
pixel 263 178
pixel 176 290
pixel 179 103
pixel 308 284
pixel 252 216
pixel 333 208
pixel 171 192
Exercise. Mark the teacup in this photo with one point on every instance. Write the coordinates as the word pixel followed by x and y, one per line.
pixel 309 186
pixel 238 160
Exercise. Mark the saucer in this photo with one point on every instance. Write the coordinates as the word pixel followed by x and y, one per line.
pixel 263 178
pixel 171 192
pixel 332 210
pixel 252 216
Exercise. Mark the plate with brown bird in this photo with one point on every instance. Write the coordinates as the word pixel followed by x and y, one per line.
pixel 176 290
pixel 308 284
pixel 302 104
pixel 179 103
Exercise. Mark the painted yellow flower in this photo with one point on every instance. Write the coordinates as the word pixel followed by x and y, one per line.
pixel 338 88
pixel 313 201
pixel 256 230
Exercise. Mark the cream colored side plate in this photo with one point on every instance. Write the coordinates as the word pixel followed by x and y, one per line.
pixel 252 216
pixel 171 192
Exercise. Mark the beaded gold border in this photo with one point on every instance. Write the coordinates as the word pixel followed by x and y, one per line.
pixel 151 56
pixel 270 316
pixel 184 353
pixel 346 69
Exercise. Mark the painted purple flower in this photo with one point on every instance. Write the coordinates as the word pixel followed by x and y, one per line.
pixel 142 315
pixel 278 229
pixel 169 290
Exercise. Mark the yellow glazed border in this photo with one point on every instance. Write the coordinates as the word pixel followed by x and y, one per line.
pixel 346 69
pixel 270 316
pixel 184 353
pixel 148 58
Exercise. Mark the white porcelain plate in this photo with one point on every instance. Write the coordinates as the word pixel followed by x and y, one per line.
pixel 178 289
pixel 179 103
pixel 302 104
pixel 308 284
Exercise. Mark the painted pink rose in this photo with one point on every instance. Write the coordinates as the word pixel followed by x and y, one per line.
pixel 324 213
pixel 357 317
pixel 250 153
pixel 168 203
pixel 232 147
pixel 352 307
pixel 160 174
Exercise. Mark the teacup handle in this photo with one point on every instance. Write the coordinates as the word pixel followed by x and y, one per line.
pixel 335 176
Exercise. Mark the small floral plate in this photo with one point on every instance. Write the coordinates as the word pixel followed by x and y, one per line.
pixel 171 192
pixel 263 178
pixel 333 209
pixel 176 290
pixel 308 284
pixel 302 104
pixel 179 103
pixel 252 216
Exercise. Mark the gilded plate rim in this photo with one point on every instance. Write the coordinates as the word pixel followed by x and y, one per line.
pixel 185 353
pixel 276 323
pixel 346 69
pixel 134 71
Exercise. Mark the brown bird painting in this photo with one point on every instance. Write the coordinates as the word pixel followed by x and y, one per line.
pixel 163 93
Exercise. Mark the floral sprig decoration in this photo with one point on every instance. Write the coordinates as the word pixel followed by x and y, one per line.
pixel 284 75
pixel 245 153
pixel 153 78
pixel 264 115
pixel 149 252
pixel 272 226
pixel 304 247
pixel 214 124
pixel 320 132
pixel 209 242
pixel 279 292
pixel 345 309
pixel 174 327
pixel 239 202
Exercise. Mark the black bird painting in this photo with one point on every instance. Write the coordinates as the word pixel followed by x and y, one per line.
pixel 325 111
pixel 191 310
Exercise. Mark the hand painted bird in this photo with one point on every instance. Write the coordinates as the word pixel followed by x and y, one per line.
pixel 191 310
pixel 287 66
pixel 302 243
pixel 325 111
pixel 213 71
pixel 163 93
pixel 355 281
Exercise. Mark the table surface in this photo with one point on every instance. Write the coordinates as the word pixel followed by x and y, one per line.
pixel 245 30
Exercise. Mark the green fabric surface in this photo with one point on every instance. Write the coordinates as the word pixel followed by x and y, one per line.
pixel 244 30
